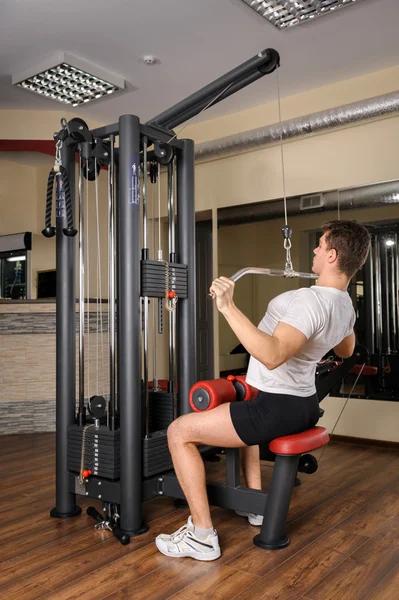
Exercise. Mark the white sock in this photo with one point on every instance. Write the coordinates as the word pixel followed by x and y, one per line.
pixel 202 534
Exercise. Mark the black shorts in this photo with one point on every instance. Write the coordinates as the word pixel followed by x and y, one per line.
pixel 270 416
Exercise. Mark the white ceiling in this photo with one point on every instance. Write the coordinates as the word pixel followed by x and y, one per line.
pixel 196 41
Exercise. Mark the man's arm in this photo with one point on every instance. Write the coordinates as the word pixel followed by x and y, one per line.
pixel 270 350
pixel 346 348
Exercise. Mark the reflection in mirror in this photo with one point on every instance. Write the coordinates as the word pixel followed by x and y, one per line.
pixel 250 235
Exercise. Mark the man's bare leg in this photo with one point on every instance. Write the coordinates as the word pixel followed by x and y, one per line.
pixel 190 471
pixel 213 428
pixel 250 463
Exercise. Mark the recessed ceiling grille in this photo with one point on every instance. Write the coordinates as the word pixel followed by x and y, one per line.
pixel 68 85
pixel 287 13
pixel 70 80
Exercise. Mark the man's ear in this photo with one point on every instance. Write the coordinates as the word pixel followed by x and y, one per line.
pixel 332 256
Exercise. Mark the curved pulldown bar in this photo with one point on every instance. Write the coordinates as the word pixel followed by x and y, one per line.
pixel 288 273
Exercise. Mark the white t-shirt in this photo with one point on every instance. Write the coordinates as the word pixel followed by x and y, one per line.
pixel 325 315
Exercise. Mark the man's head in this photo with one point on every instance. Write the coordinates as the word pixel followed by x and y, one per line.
pixel 343 247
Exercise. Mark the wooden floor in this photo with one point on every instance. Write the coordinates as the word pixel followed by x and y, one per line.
pixel 343 526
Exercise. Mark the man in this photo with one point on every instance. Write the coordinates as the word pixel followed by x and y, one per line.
pixel 298 328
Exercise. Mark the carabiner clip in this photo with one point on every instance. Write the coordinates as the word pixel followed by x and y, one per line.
pixel 287 233
pixel 57 163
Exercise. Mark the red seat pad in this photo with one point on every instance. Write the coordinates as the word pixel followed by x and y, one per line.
pixel 367 370
pixel 300 442
pixel 219 390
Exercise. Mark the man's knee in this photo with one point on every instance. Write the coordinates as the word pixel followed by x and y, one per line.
pixel 177 431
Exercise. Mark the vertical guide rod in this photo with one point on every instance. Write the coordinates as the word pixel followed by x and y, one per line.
pixel 145 256
pixel 154 332
pixel 171 212
pixel 387 323
pixel 111 282
pixel 145 193
pixel 397 291
pixel 81 295
pixel 394 288
pixel 172 313
pixel 368 291
pixel 129 334
pixel 377 291
pixel 159 256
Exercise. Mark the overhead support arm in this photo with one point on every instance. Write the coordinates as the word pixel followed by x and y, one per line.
pixel 262 64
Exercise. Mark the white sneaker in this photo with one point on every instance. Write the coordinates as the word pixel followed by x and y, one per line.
pixel 184 543
pixel 253 519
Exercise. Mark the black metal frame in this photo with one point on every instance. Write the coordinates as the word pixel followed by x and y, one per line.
pixel 128 226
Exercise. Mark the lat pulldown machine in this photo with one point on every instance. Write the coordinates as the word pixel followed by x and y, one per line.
pixel 119 452
pixel 118 431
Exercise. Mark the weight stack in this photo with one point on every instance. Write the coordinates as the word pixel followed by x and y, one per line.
pixel 102 451
pixel 160 410
pixel 156 456
pixel 153 279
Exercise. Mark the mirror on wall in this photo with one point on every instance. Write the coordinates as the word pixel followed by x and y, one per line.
pixel 250 235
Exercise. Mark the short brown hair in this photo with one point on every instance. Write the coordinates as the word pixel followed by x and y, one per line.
pixel 351 241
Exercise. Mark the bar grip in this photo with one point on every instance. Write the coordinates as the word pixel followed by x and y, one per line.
pixel 93 512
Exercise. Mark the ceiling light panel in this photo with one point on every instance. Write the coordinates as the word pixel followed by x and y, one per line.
pixel 70 80
pixel 284 14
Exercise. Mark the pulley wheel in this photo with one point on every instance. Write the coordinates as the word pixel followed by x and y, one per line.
pixel 163 152
pixel 91 169
pixel 97 407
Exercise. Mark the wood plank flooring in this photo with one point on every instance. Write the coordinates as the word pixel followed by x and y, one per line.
pixel 343 525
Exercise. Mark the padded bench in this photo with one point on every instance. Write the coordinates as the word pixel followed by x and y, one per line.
pixel 206 395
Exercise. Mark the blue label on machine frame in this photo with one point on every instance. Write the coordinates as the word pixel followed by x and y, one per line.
pixel 135 187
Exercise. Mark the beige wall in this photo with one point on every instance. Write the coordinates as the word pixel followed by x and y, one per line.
pixel 18 197
pixel 369 419
pixel 36 124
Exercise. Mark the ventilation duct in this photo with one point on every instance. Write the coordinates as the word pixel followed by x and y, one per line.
pixel 324 121
pixel 380 194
